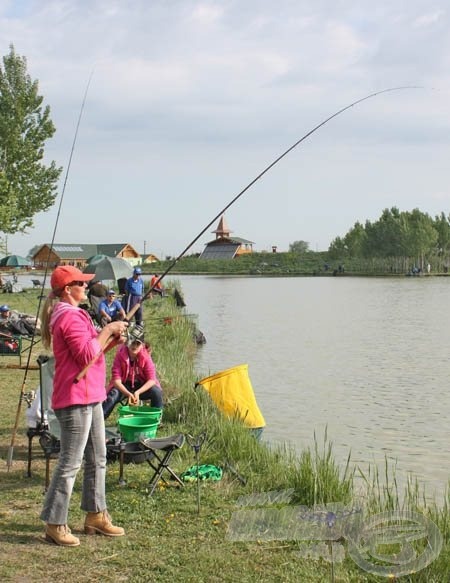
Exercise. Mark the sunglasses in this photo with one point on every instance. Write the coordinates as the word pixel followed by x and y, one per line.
pixel 77 283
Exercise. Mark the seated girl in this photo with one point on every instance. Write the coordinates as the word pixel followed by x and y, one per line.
pixel 133 377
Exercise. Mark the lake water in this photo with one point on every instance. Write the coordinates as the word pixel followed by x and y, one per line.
pixel 365 358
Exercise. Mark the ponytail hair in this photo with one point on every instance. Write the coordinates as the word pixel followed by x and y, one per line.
pixel 46 313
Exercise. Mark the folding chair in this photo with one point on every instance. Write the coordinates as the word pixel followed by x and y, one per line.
pixel 161 450
pixel 36 283
pixel 11 345
pixel 47 427
pixel 156 452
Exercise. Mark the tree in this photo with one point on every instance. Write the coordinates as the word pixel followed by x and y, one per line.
pixel 27 186
pixel 299 247
pixel 442 226
pixel 422 236
pixel 337 248
pixel 355 240
pixel 387 236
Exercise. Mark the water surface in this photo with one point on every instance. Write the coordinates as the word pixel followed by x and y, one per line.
pixel 366 358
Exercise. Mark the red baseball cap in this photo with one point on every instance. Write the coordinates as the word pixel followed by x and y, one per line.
pixel 65 274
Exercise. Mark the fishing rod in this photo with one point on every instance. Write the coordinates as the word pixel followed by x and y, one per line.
pixel 27 366
pixel 260 175
pixel 134 309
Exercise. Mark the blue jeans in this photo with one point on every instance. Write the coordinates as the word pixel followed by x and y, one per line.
pixel 82 434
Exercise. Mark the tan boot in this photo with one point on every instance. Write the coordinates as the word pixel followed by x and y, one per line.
pixel 100 523
pixel 60 535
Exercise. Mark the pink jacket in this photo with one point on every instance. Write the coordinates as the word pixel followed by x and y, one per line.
pixel 144 370
pixel 75 344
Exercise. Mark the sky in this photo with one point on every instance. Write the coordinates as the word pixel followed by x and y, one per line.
pixel 190 100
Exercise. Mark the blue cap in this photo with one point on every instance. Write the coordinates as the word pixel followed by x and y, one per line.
pixel 111 292
pixel 4 308
pixel 138 270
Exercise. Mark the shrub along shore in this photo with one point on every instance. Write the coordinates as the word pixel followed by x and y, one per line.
pixel 310 263
pixel 167 538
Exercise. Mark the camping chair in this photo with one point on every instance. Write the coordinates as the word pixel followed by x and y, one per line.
pixel 46 425
pixel 36 283
pixel 161 450
pixel 157 452
pixel 11 345
pixel 15 345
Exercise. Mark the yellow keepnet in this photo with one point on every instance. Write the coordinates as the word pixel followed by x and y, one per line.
pixel 232 392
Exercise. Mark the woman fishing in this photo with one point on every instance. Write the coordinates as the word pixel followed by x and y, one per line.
pixel 77 403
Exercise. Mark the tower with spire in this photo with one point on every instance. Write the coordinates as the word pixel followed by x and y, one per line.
pixel 224 246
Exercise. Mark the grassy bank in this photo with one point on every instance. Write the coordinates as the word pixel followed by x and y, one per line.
pixel 166 537
pixel 311 263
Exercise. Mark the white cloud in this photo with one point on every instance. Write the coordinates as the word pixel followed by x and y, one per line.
pixel 429 19
pixel 207 13
pixel 190 100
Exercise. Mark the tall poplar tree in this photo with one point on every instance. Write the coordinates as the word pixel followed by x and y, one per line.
pixel 27 185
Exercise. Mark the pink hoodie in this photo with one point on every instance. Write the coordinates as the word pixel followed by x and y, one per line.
pixel 75 344
pixel 143 371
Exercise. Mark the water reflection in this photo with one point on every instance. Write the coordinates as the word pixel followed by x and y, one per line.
pixel 365 358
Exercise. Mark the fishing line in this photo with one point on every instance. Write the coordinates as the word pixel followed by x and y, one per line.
pixel 41 295
pixel 272 164
pixel 133 310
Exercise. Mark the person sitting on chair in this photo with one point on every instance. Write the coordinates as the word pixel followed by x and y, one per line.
pixel 155 285
pixel 14 322
pixel 110 309
pixel 133 377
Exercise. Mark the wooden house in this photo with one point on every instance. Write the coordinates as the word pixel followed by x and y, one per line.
pixel 149 258
pixel 78 254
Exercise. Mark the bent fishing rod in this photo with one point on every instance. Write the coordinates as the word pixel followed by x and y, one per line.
pixel 134 309
pixel 258 177
pixel 27 366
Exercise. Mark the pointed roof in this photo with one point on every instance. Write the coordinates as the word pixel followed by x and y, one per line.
pixel 222 228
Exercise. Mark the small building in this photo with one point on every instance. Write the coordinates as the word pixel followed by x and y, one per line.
pixel 149 258
pixel 78 254
pixel 224 246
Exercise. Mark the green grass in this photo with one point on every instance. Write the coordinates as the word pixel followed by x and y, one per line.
pixel 166 538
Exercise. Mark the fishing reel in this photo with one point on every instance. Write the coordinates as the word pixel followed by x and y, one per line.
pixel 135 333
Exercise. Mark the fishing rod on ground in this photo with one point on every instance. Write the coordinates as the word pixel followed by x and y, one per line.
pixel 133 310
pixel 23 393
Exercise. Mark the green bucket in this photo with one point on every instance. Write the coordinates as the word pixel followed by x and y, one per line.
pixel 132 428
pixel 151 413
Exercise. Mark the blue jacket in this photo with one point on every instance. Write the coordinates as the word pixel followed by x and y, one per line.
pixel 134 287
